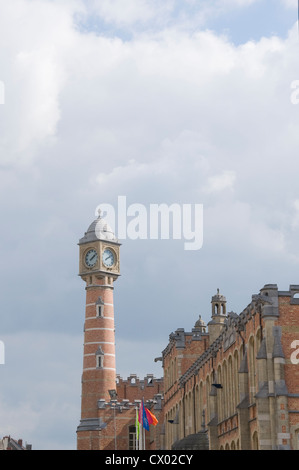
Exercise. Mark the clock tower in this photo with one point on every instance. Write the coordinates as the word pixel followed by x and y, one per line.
pixel 98 268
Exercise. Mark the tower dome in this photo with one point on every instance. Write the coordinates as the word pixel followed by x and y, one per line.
pixel 218 297
pixel 200 325
pixel 99 229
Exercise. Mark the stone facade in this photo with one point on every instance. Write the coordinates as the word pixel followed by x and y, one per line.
pixel 8 443
pixel 233 384
pixel 243 383
pixel 114 427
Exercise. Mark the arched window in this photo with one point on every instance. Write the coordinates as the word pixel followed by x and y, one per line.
pixel 181 419
pixel 176 423
pixel 236 397
pixel 171 373
pixel 208 389
pixel 132 438
pixel 167 430
pixel 166 379
pixel 197 409
pixel 255 442
pixel 200 403
pixel 225 390
pixel 190 413
pixel 172 427
pixel 220 395
pixel 252 371
pixel 258 340
pixel 99 358
pixel 186 404
pixel 230 386
pixel 193 410
pixel 99 307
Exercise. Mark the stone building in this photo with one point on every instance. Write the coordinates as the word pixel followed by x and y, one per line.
pixel 231 384
pixel 8 443
pixel 238 382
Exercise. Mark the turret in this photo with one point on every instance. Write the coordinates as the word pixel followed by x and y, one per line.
pixel 218 316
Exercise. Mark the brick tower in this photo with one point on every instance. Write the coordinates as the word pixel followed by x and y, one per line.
pixel 98 268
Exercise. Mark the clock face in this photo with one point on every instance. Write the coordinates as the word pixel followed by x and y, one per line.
pixel 91 258
pixel 108 258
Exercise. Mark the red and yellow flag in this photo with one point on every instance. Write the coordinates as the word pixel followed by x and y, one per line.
pixel 151 417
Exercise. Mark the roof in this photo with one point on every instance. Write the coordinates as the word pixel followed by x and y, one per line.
pixel 198 441
pixel 218 297
pixel 99 229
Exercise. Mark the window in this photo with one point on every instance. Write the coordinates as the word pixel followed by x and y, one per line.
pixel 100 361
pixel 252 371
pixel 100 309
pixel 132 438
pixel 255 441
pixel 133 379
pixel 99 358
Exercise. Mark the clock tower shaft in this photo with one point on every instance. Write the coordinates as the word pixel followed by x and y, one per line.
pixel 99 373
pixel 99 268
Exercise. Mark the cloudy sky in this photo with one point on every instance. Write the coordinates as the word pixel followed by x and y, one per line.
pixel 180 101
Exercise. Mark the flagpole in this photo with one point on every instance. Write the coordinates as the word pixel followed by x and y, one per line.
pixel 136 428
pixel 140 430
pixel 143 410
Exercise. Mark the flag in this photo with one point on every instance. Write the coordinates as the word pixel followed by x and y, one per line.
pixel 151 417
pixel 146 417
pixel 145 422
pixel 137 424
pixel 142 417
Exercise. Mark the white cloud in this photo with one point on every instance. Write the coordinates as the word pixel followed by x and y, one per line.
pixel 220 182
pixel 156 14
pixel 34 73
pixel 40 397
pixel 20 421
pixel 295 222
pixel 290 3
pixel 131 12
pixel 171 115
